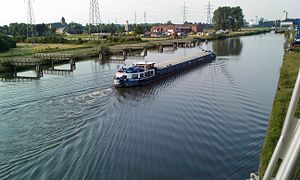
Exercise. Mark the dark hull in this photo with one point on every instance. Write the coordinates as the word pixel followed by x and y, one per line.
pixel 168 71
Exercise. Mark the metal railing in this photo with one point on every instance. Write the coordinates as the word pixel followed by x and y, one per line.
pixel 288 145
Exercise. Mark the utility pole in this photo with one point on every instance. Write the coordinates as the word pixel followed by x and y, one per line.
pixel 286 14
pixel 134 17
pixel 209 10
pixel 94 16
pixel 256 20
pixel 145 17
pixel 184 12
pixel 30 19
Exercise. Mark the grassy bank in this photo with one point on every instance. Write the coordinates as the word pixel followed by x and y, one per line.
pixel 244 32
pixel 23 50
pixel 288 75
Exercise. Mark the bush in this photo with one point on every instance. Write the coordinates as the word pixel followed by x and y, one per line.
pixel 79 41
pixel 6 43
pixel 123 39
pixel 19 39
pixel 47 39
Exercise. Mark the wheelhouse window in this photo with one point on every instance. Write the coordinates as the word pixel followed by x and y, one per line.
pixel 135 76
pixel 141 75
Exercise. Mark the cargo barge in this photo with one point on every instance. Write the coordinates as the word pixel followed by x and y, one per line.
pixel 143 73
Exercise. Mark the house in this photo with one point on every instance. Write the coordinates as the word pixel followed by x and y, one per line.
pixel 287 24
pixel 171 29
pixel 59 27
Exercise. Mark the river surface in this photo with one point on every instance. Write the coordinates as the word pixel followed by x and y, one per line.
pixel 206 123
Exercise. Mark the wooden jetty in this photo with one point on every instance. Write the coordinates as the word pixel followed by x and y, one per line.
pixel 18 79
pixel 54 56
pixel 38 61
pixel 60 72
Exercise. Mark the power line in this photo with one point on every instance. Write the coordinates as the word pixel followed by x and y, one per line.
pixel 184 12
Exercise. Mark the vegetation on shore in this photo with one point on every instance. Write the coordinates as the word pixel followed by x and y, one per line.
pixel 245 32
pixel 288 75
pixel 91 49
pixel 6 43
pixel 27 50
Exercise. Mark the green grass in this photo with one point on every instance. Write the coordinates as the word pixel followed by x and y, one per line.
pixel 288 75
pixel 243 32
pixel 24 50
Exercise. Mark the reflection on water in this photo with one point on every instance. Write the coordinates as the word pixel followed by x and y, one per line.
pixel 205 123
pixel 228 47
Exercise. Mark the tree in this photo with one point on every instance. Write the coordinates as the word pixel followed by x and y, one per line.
pixel 16 29
pixel 6 43
pixel 4 29
pixel 42 29
pixel 138 29
pixel 75 28
pixel 228 18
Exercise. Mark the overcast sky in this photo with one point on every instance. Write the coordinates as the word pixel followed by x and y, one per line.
pixel 156 10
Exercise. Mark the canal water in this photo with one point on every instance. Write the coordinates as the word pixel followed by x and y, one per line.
pixel 205 123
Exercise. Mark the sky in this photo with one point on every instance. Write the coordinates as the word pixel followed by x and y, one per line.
pixel 118 11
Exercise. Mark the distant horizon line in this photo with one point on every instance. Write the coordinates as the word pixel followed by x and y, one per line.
pixel 129 23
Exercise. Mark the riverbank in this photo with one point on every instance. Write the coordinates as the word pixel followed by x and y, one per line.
pixel 245 32
pixel 288 75
pixel 82 51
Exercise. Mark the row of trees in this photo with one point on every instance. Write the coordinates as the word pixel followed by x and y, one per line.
pixel 20 29
pixel 231 18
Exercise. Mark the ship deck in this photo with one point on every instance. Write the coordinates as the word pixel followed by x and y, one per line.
pixel 178 60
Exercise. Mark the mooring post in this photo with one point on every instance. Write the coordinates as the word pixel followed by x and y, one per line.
pixel 124 54
pixel 160 48
pixel 101 56
pixel 39 70
pixel 14 70
pixel 145 52
pixel 174 46
pixel 52 64
pixel 72 64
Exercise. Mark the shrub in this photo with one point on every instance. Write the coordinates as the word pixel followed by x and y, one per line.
pixel 6 43
pixel 54 39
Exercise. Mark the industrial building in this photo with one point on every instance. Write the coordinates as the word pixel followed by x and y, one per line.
pixel 172 29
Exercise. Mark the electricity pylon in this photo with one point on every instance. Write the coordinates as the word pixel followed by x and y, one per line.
pixel 94 17
pixel 30 18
